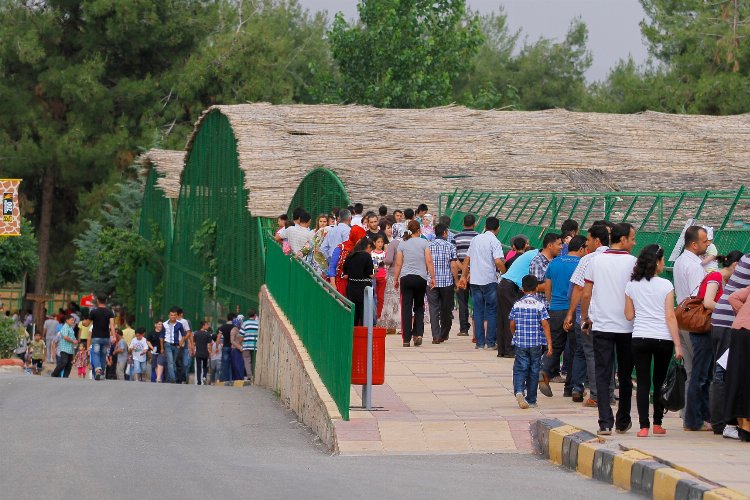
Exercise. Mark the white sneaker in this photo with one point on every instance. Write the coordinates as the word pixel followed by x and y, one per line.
pixel 730 432
pixel 522 403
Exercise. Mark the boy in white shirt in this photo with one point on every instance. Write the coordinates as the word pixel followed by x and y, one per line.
pixel 138 348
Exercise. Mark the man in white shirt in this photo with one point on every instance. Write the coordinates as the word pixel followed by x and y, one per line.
pixel 688 274
pixel 481 264
pixel 297 235
pixel 604 296
pixel 357 217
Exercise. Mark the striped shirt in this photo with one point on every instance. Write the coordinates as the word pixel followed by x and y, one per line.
pixel 250 334
pixel 723 315
pixel 528 313
pixel 64 345
pixel 462 241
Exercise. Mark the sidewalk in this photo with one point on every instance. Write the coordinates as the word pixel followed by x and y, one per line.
pixel 452 398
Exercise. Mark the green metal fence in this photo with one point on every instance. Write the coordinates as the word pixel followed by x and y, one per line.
pixel 318 193
pixel 322 318
pixel 658 217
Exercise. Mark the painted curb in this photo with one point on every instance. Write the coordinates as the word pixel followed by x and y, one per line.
pixel 632 470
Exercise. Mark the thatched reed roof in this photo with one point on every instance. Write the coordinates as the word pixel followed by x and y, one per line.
pixel 404 157
pixel 169 165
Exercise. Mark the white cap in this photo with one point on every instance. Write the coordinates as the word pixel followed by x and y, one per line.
pixel 709 232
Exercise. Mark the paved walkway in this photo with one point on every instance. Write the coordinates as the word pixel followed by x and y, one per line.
pixel 452 398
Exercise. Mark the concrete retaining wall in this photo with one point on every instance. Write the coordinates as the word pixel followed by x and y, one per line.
pixel 284 366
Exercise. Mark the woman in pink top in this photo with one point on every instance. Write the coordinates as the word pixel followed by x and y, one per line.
pixel 712 286
pixel 737 400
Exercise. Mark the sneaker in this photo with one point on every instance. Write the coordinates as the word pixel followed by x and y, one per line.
pixel 731 432
pixel 522 403
pixel 544 387
pixel 98 375
pixel 567 393
pixel 590 403
pixel 463 334
pixel 557 379
pixel 626 429
pixel 659 430
pixel 643 433
pixel 604 431
pixel 491 346
pixel 577 397
pixel 478 346
pixel 532 405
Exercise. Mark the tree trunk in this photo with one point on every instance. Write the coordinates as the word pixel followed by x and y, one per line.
pixel 45 223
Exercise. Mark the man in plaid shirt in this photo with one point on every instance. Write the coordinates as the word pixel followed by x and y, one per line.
pixel 440 298
pixel 529 322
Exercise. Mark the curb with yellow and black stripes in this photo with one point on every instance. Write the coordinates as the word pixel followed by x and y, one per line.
pixel 234 383
pixel 631 470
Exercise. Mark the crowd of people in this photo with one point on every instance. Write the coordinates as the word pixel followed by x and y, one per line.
pixel 579 310
pixel 89 341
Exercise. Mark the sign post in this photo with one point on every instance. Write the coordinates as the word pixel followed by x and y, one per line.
pixel 10 224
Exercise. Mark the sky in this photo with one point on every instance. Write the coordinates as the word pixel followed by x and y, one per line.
pixel 614 33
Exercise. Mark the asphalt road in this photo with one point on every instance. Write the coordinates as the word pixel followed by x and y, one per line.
pixel 82 439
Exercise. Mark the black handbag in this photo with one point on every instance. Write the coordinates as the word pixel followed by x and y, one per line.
pixel 673 390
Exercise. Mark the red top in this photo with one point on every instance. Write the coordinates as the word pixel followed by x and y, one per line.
pixel 714 277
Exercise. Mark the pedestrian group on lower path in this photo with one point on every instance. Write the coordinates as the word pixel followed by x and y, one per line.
pixel 580 310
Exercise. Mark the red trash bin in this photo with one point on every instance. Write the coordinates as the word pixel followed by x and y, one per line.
pixel 359 356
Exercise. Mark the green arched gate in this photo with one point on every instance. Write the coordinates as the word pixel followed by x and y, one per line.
pixel 318 193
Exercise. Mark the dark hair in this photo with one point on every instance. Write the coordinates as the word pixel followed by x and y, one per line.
pixel 576 243
pixel 358 208
pixel 422 208
pixel 382 210
pixel 251 313
pixel 730 258
pixel 231 316
pixel 620 231
pixel 350 208
pixel 101 298
pixel 180 310
pixel 174 309
pixel 375 238
pixel 288 223
pixel 397 211
pixel 297 213
pixel 335 212
pixel 599 232
pixel 603 222
pixel 204 323
pixel 569 227
pixel 283 217
pixel 140 329
pixel 362 244
pixel 444 219
pixel 65 318
pixel 304 218
pixel 469 220
pixel 645 266
pixel 519 243
pixel 550 238
pixel 440 229
pixel 491 224
pixel 409 213
pixel 692 234
pixel 529 283
pixel 413 227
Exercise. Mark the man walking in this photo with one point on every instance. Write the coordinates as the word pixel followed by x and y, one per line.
pixel 102 330
pixel 483 260
pixel 462 241
pixel 606 278
pixel 440 297
pixel 335 236
pixel 174 338
pixel 225 331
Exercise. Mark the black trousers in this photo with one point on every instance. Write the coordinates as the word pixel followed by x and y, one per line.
pixel 507 295
pixel 64 365
pixel 201 369
pixel 560 338
pixel 645 350
pixel 355 291
pixel 607 345
pixel 413 288
pixel 462 296
pixel 440 300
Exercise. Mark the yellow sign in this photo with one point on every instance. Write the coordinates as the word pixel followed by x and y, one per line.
pixel 10 225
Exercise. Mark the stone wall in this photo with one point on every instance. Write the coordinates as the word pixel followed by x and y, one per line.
pixel 285 367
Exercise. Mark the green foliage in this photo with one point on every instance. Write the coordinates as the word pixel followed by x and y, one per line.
pixel 204 247
pixel 404 53
pixel 10 336
pixel 18 254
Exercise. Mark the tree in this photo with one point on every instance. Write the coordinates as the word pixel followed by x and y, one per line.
pixel 18 254
pixel 80 85
pixel 404 53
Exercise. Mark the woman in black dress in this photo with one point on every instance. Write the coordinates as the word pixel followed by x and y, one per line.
pixel 358 268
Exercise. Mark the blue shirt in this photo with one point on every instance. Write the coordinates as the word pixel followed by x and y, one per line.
pixel 335 236
pixel 520 267
pixel 528 313
pixel 559 271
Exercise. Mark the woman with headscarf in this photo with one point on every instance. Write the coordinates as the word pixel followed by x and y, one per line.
pixel 338 257
pixel 427 229
pixel 358 269
pixel 235 336
pixel 315 256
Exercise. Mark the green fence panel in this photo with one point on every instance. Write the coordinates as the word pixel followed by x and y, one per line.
pixel 322 318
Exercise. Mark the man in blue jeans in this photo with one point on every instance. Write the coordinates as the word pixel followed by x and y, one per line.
pixel 481 264
pixel 225 331
pixel 102 329
pixel 174 337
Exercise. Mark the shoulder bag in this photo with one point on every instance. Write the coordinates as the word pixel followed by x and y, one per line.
pixel 692 315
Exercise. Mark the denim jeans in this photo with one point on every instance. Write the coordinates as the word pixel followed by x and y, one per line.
pixel 226 364
pixel 559 343
pixel 696 407
pixel 485 309
pixel 581 363
pixel 526 368
pixel 170 351
pixel 99 350
pixel 186 361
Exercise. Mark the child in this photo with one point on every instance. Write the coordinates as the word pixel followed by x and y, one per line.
pixel 378 260
pixel 37 351
pixel 283 223
pixel 202 339
pixel 215 349
pixel 81 360
pixel 708 259
pixel 529 324
pixel 138 348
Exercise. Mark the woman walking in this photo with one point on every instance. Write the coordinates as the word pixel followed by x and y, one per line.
pixel 358 270
pixel 413 263
pixel 649 300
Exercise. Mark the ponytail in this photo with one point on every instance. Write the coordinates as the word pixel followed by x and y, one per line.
pixel 412 228
pixel 730 258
